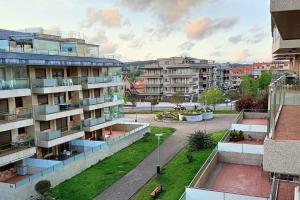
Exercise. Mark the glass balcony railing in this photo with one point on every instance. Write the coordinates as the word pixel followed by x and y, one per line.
pixel 54 134
pixel 55 82
pixel 101 79
pixel 17 145
pixel 15 115
pixel 14 84
pixel 106 118
pixel 49 109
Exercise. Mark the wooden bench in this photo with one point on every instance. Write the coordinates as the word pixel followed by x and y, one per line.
pixel 156 191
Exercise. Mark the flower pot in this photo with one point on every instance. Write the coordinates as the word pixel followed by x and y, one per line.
pixel 208 115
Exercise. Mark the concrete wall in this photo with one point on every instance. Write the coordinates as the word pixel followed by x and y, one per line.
pixel 282 156
pixel 255 115
pixel 72 169
pixel 240 158
pixel 255 135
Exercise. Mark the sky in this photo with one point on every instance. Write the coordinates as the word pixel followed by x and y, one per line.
pixel 131 30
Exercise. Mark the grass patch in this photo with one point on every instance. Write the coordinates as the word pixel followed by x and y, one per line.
pixel 177 174
pixel 226 112
pixel 97 178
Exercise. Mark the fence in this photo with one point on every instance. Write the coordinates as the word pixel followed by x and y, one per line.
pixel 241 148
pixel 85 154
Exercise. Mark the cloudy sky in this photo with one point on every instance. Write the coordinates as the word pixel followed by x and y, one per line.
pixel 223 30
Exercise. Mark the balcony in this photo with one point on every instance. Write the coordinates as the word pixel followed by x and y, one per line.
pixel 55 85
pixel 14 88
pixel 286 47
pixel 50 112
pixel 282 12
pixel 101 82
pixel 56 137
pixel 90 125
pixel 17 150
pixel 21 117
pixel 101 102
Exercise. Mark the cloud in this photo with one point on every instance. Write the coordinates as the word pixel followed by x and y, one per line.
pixel 254 35
pixel 217 53
pixel 127 36
pixel 186 46
pixel 109 17
pixel 98 37
pixel 168 11
pixel 235 39
pixel 138 43
pixel 240 55
pixel 108 48
pixel 202 27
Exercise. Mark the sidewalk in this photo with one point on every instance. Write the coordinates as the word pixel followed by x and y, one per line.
pixel 129 184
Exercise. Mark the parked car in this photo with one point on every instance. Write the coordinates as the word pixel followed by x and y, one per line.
pixel 227 100
pixel 179 107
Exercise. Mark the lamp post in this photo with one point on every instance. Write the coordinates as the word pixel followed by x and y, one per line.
pixel 205 110
pixel 158 153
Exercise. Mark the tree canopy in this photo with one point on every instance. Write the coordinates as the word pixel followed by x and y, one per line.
pixel 212 97
pixel 177 98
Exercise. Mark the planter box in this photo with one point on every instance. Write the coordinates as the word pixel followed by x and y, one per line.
pixel 208 115
pixel 191 118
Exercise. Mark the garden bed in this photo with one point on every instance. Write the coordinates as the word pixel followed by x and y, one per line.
pixel 186 115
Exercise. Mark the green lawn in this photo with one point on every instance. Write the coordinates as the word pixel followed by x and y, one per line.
pixel 97 178
pixel 177 174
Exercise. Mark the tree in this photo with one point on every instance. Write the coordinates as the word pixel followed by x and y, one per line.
pixel 264 80
pixel 212 97
pixel 199 140
pixel 249 86
pixel 246 102
pixel 177 98
pixel 233 95
pixel 154 101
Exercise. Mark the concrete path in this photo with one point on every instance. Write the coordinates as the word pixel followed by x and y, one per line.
pixel 129 184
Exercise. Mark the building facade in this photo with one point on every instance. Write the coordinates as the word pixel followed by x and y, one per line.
pixel 56 95
pixel 185 75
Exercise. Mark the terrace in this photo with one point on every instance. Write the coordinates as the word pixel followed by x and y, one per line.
pixel 20 117
pixel 101 81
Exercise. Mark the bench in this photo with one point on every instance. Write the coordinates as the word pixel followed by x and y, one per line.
pixel 156 191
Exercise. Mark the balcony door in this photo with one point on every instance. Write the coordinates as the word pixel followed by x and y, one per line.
pixel 5 140
pixel 59 98
pixel 62 124
pixel 3 106
pixel 40 73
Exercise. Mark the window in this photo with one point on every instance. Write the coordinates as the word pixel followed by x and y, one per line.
pixel 95 72
pixel 84 72
pixel 19 72
pixel 44 125
pixel 97 92
pixel 61 123
pixel 3 105
pixel 98 113
pixel 19 102
pixel 58 73
pixel 59 98
pixel 5 140
pixel 87 115
pixel 85 93
pixel 42 99
pixel 40 73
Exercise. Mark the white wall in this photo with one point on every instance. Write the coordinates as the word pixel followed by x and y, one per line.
pixel 241 148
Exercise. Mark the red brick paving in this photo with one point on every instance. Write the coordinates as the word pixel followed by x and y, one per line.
pixel 288 124
pixel 242 179
pixel 286 190
pixel 255 121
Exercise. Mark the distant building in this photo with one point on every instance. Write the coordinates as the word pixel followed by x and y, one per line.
pixel 237 73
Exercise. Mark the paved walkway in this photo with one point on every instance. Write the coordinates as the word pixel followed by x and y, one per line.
pixel 129 184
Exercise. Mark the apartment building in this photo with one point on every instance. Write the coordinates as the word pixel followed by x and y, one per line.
pixel 221 75
pixel 236 74
pixel 277 67
pixel 58 101
pixel 265 164
pixel 168 76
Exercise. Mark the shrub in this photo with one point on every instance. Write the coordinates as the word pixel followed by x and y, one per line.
pixel 199 140
pixel 189 156
pixel 42 186
pixel 246 102
pixel 147 137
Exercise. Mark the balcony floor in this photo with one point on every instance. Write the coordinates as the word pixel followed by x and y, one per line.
pixel 286 190
pixel 254 121
pixel 114 134
pixel 288 126
pixel 240 179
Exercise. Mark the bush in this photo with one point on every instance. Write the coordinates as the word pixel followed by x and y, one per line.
pixel 42 186
pixel 147 137
pixel 189 156
pixel 246 102
pixel 199 140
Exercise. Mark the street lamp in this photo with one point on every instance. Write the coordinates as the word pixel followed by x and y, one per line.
pixel 158 153
pixel 205 110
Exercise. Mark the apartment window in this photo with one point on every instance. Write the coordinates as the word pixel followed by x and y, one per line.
pixel 58 73
pixel 5 140
pixel 44 125
pixel 2 74
pixel 3 106
pixel 87 114
pixel 97 92
pixel 40 73
pixel 19 72
pixel 19 102
pixel 59 98
pixel 84 72
pixel 21 131
pixel 61 123
pixel 98 113
pixel 95 72
pixel 42 99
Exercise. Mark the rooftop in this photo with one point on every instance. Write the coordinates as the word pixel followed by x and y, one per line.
pixel 288 126
pixel 239 179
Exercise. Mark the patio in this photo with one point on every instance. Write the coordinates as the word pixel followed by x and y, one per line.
pixel 239 179
pixel 288 126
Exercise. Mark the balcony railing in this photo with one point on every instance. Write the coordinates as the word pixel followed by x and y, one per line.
pixel 14 84
pixel 106 118
pixel 55 82
pixel 15 146
pixel 15 115
pixel 54 134
pixel 101 79
pixel 49 109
